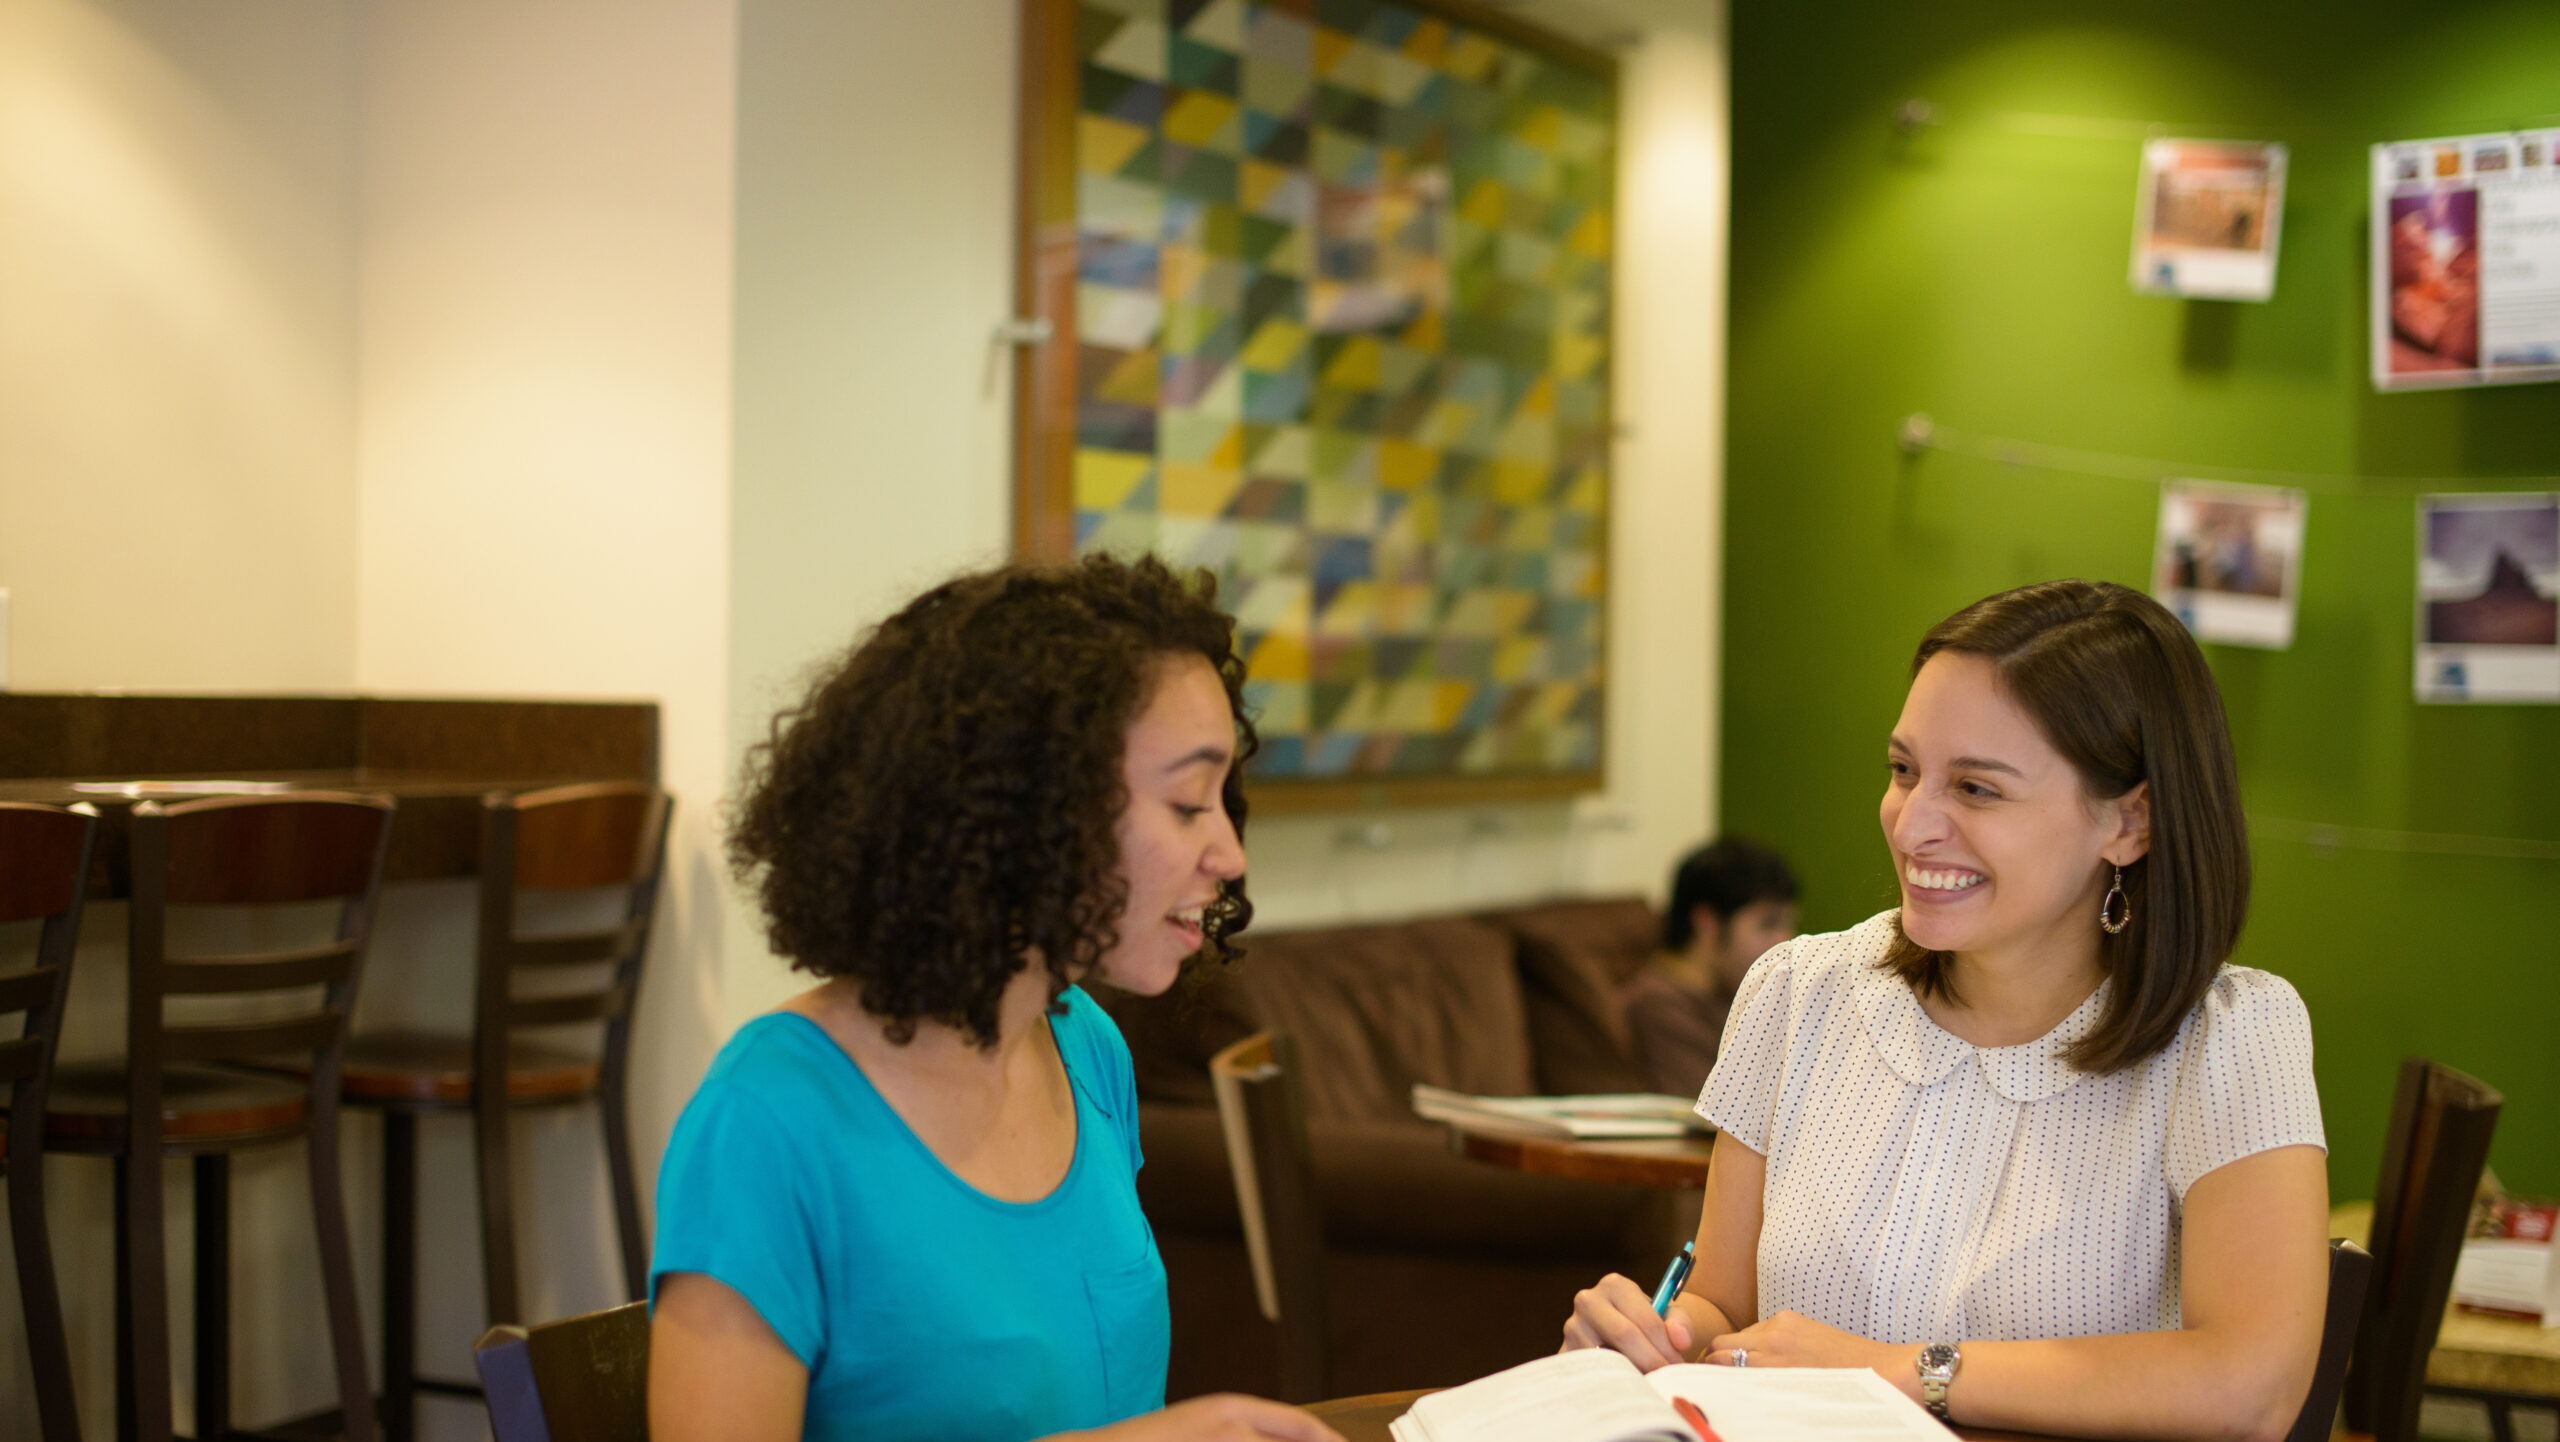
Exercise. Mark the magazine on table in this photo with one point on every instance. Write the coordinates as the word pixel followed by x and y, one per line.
pixel 1597 1395
pixel 1589 1117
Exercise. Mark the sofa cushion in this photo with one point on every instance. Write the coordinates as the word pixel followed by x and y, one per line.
pixel 1373 1008
pixel 1573 955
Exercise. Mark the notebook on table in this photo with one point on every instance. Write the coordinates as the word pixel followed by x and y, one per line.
pixel 1600 1396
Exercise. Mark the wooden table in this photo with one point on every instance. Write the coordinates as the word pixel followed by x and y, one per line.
pixel 1673 1162
pixel 2474 1353
pixel 1365 1419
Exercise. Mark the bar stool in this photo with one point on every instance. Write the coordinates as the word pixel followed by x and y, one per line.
pixel 44 876
pixel 175 1095
pixel 563 839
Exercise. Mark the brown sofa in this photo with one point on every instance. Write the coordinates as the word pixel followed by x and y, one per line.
pixel 1439 1268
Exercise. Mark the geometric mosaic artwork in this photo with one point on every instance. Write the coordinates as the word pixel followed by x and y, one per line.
pixel 1342 337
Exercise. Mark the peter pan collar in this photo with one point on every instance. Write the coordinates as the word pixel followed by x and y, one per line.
pixel 1923 1053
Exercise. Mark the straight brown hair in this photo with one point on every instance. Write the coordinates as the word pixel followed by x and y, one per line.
pixel 2117 686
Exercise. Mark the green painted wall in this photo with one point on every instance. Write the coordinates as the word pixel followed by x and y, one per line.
pixel 1977 273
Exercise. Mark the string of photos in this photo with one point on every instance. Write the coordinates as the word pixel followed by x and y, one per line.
pixel 2228 559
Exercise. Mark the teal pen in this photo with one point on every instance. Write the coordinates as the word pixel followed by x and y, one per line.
pixel 1674 1277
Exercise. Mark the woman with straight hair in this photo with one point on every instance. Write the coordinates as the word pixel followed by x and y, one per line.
pixel 2028 1145
pixel 903 1205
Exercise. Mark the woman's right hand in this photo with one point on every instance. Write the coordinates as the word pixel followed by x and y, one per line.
pixel 1618 1314
pixel 1223 1417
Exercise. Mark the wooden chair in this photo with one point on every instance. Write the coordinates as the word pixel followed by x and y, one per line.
pixel 175 1095
pixel 2431 1159
pixel 584 1379
pixel 566 838
pixel 44 877
pixel 2350 1267
pixel 1264 1116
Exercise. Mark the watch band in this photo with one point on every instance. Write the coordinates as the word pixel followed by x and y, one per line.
pixel 1938 1363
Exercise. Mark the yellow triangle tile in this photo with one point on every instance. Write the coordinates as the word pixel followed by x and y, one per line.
pixel 1190 489
pixel 1230 452
pixel 1285 455
pixel 1483 205
pixel 1255 180
pixel 1590 236
pixel 1294 255
pixel 1576 356
pixel 1518 483
pixel 1425 333
pixel 1541 397
pixel 1450 702
pixel 1428 42
pixel 1512 659
pixel 1279 656
pixel 1585 494
pixel 1133 379
pixel 1104 479
pixel 1103 144
pixel 1409 707
pixel 1403 466
pixel 1471 56
pixel 1541 130
pixel 1197 117
pixel 1355 367
pixel 1179 269
pixel 1275 344
pixel 1331 46
pixel 1349 612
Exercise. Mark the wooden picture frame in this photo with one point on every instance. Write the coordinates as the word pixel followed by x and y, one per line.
pixel 1317 296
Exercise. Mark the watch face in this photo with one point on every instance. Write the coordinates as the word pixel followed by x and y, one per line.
pixel 1937 1356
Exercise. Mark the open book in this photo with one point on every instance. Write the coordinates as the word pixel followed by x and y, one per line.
pixel 1590 1117
pixel 1598 1396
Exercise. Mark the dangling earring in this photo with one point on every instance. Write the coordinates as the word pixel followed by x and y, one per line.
pixel 2115 900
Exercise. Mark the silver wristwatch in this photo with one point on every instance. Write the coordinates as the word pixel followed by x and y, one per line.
pixel 1938 1363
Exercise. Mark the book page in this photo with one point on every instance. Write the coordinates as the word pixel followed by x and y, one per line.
pixel 1793 1404
pixel 1593 1395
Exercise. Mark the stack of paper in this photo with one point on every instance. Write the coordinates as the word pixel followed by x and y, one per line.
pixel 1590 1117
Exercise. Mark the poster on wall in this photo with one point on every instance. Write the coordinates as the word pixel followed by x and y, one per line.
pixel 2466 260
pixel 2229 560
pixel 2489 597
pixel 2207 218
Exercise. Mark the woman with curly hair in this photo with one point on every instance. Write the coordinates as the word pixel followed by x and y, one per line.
pixel 2028 1146
pixel 904 1204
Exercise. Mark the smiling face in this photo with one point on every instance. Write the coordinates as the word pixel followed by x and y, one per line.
pixel 1999 848
pixel 1176 840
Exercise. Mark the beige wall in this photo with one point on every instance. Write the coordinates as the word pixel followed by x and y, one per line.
pixel 543 473
pixel 177 334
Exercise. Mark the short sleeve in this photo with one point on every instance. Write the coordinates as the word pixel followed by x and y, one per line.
pixel 732 1206
pixel 2244 1084
pixel 1098 1057
pixel 1742 1091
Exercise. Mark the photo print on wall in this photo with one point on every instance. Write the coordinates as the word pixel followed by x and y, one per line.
pixel 2488 612
pixel 2207 219
pixel 2466 260
pixel 2229 560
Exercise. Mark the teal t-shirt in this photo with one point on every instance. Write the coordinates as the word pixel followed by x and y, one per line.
pixel 922 1307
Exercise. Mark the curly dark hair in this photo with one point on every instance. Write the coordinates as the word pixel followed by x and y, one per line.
pixel 942 803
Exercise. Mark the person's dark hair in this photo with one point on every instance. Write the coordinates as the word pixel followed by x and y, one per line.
pixel 1724 876
pixel 943 802
pixel 2118 687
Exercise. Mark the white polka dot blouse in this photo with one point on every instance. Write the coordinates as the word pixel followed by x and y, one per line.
pixel 1923 1189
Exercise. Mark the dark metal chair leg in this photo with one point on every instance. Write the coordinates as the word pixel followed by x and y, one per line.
pixel 399 1275
pixel 497 1215
pixel 40 1298
pixel 626 1190
pixel 213 1296
pixel 145 1255
pixel 124 1305
pixel 338 1271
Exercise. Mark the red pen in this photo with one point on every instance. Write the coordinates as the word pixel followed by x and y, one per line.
pixel 1696 1419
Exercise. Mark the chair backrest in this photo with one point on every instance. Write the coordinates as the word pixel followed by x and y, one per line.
pixel 2350 1266
pixel 1265 1121
pixel 312 846
pixel 2431 1159
pixel 581 1379
pixel 565 838
pixel 44 877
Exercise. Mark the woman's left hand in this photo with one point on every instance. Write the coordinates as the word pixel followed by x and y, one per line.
pixel 1791 1339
